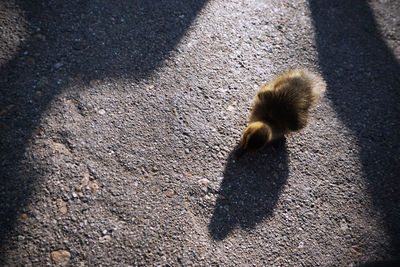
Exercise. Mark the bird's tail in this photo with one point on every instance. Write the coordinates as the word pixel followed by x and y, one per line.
pixel 318 84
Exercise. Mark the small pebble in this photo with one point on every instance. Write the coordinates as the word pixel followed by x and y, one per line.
pixel 93 185
pixel 204 181
pixel 343 225
pixel 60 256
pixel 62 205
pixel 58 65
pixel 105 239
pixel 169 193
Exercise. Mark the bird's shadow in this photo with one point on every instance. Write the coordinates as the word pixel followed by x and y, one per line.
pixel 249 190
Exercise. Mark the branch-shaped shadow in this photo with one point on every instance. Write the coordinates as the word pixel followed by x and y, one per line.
pixel 363 79
pixel 72 43
pixel 250 189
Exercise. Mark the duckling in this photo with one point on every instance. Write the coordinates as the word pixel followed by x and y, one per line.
pixel 280 107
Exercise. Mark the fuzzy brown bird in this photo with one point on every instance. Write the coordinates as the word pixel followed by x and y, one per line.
pixel 282 106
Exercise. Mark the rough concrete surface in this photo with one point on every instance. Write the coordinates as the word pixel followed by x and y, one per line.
pixel 119 120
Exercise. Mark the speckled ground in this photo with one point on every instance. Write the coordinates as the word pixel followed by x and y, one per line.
pixel 119 120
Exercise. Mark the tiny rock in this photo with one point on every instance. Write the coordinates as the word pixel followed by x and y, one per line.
pixel 357 250
pixel 169 193
pixel 62 206
pixel 93 185
pixel 94 83
pixel 102 112
pixel 61 148
pixel 58 65
pixel 38 131
pixel 204 181
pixel 64 210
pixel 343 225
pixel 105 239
pixel 84 181
pixel 60 256
pixel 221 197
pixel 204 188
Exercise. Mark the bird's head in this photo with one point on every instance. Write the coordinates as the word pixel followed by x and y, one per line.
pixel 256 136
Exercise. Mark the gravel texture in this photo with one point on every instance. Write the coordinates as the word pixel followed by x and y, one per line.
pixel 119 120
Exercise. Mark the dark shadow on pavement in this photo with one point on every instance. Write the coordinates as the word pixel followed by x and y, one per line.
pixel 363 79
pixel 390 263
pixel 249 190
pixel 71 43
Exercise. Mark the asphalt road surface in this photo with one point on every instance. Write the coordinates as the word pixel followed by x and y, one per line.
pixel 119 119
